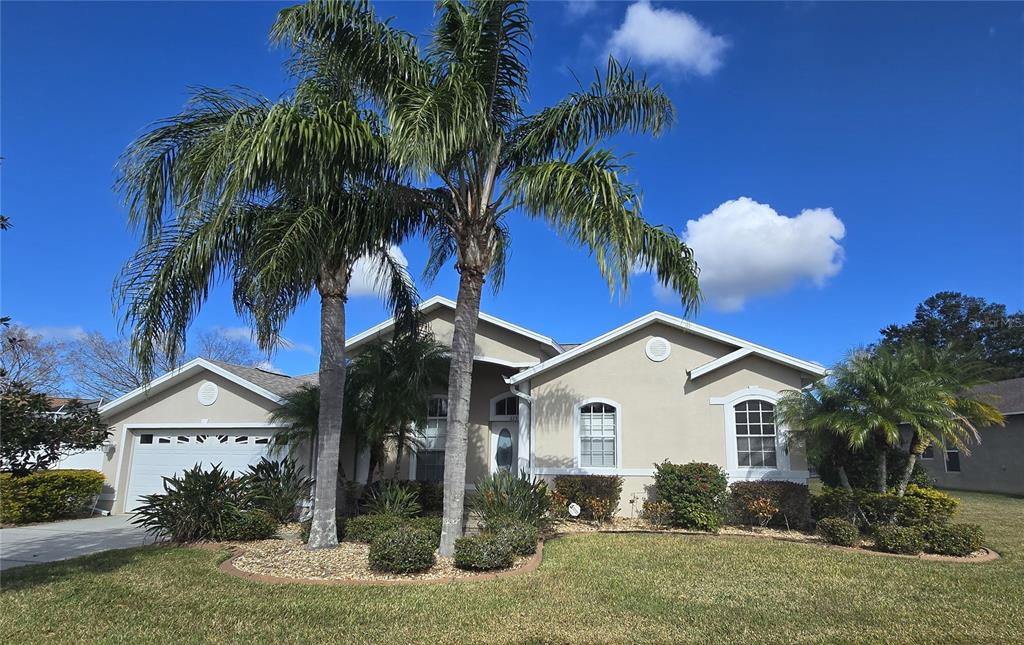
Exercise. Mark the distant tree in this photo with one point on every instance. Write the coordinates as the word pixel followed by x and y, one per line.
pixel 102 367
pixel 31 360
pixel 966 325
pixel 34 438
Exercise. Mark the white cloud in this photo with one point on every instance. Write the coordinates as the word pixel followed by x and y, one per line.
pixel 746 249
pixel 74 332
pixel 665 37
pixel 579 8
pixel 366 274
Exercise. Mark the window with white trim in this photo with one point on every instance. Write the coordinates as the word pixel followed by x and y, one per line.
pixel 952 458
pixel 755 434
pixel 430 457
pixel 598 432
pixel 505 409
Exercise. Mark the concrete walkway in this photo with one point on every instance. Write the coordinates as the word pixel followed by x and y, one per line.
pixel 69 539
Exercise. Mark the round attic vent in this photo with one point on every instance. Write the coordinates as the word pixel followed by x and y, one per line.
pixel 208 393
pixel 658 349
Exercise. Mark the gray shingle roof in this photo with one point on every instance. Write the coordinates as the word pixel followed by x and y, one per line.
pixel 279 384
pixel 1007 396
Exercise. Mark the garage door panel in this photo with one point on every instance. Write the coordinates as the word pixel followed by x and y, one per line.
pixel 165 453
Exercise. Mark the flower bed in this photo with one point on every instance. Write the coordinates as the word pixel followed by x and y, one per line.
pixel 290 561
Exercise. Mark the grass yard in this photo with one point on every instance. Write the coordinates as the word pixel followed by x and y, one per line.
pixel 590 588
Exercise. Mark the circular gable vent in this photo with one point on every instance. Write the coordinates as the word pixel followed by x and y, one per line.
pixel 658 349
pixel 208 393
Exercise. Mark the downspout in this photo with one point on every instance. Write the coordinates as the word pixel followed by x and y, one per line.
pixel 529 402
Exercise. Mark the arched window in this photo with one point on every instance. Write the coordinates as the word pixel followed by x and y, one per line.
pixel 598 434
pixel 503 451
pixel 755 434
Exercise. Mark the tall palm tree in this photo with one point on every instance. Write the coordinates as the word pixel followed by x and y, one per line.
pixel 281 199
pixel 456 114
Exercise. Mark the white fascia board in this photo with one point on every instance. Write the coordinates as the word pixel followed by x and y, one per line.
pixel 166 381
pixel 678 323
pixel 502 362
pixel 440 301
pixel 722 361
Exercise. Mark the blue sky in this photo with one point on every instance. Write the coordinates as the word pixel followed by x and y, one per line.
pixel 880 148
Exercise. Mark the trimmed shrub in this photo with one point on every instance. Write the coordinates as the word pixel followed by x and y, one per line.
pixel 339 523
pixel 393 498
pixel 792 501
pixel 431 496
pixel 657 512
pixel 428 525
pixel 838 531
pixel 834 502
pixel 277 487
pixel 367 527
pixel 907 540
pixel 521 537
pixel 197 505
pixel 597 495
pixel 937 507
pixel 47 495
pixel 403 550
pixel 953 539
pixel 505 496
pixel 250 525
pixel 696 491
pixel 483 552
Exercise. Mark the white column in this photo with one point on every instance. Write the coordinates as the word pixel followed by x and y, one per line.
pixel 525 447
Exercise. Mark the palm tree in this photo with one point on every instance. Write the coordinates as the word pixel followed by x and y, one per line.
pixel 456 113
pixel 950 414
pixel 279 198
pixel 391 384
pixel 387 388
pixel 814 420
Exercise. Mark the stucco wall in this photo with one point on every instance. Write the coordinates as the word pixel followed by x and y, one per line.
pixel 180 404
pixel 491 340
pixel 995 465
pixel 663 414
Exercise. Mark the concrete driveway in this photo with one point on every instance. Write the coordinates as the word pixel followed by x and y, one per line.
pixel 69 539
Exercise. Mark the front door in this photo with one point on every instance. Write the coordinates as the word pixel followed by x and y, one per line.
pixel 504 446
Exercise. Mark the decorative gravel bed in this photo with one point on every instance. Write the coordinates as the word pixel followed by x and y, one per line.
pixel 289 559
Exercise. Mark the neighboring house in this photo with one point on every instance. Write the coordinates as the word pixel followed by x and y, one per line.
pixel 656 388
pixel 996 462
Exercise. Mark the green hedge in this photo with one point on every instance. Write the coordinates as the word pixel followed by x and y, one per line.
pixel 250 525
pixel 521 536
pixel 918 507
pixel 908 540
pixel 366 528
pixel 838 531
pixel 792 500
pixel 47 495
pixel 696 491
pixel 597 495
pixel 403 550
pixel 483 552
pixel 954 539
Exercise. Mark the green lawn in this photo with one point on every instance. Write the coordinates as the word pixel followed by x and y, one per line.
pixel 590 588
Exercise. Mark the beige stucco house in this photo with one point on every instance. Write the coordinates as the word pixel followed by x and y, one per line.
pixel 653 389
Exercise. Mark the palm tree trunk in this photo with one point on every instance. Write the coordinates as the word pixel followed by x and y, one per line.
pixel 460 381
pixel 883 469
pixel 844 479
pixel 916 448
pixel 333 288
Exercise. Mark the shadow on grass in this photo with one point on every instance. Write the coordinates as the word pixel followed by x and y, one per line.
pixel 31 575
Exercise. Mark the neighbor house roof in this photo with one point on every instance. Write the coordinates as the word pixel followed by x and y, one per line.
pixel 271 386
pixel 744 348
pixel 439 301
pixel 1007 396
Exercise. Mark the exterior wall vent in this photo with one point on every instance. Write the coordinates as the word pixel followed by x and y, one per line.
pixel 658 349
pixel 208 393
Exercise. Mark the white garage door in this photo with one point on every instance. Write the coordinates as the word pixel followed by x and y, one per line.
pixel 163 453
